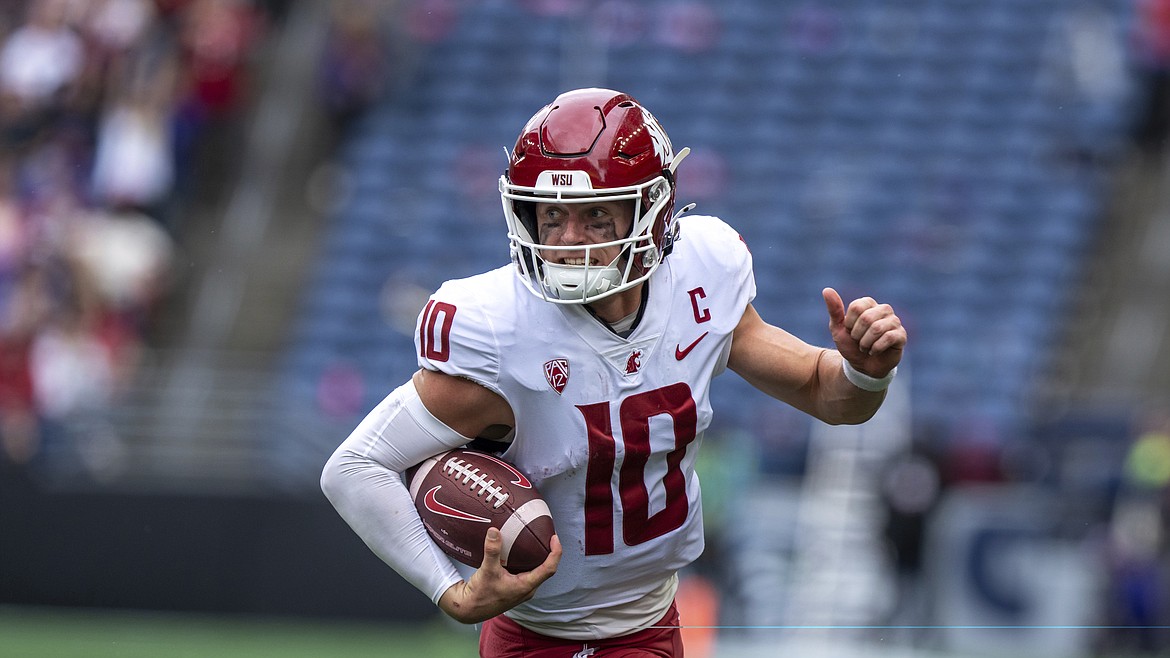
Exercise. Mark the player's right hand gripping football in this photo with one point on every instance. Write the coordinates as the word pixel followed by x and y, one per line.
pixel 492 589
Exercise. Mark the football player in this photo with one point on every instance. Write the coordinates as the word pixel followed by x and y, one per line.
pixel 589 360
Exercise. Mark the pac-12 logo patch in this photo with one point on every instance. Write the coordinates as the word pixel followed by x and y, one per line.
pixel 556 371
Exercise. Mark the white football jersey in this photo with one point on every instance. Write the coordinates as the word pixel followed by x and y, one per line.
pixel 608 428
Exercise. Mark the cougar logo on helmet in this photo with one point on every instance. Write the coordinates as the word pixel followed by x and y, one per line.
pixel 662 147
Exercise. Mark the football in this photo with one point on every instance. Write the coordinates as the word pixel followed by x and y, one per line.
pixel 461 493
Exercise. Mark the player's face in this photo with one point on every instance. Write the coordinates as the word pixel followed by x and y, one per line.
pixel 579 224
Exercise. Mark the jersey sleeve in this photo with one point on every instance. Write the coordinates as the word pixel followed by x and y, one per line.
pixel 743 270
pixel 455 335
pixel 721 249
pixel 721 254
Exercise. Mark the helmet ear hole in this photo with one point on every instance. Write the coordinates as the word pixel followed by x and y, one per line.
pixel 657 191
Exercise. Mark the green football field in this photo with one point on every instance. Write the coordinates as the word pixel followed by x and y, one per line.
pixel 64 633
pixel 67 633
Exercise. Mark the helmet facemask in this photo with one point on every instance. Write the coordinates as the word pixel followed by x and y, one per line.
pixel 560 283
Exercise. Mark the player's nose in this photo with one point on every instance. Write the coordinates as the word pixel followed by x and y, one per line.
pixel 574 232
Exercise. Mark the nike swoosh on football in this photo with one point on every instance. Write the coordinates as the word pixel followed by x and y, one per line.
pixel 520 480
pixel 435 506
pixel 680 353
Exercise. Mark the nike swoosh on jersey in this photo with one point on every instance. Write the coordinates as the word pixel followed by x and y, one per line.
pixel 435 506
pixel 681 353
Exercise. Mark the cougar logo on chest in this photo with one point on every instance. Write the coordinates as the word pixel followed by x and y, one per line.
pixel 634 363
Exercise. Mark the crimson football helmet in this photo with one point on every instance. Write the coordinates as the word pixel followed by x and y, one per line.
pixel 591 145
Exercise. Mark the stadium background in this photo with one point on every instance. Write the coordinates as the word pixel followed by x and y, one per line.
pixel 218 219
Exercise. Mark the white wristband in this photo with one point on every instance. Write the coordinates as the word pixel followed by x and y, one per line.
pixel 864 381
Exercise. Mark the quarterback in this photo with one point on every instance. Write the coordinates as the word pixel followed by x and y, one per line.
pixel 587 362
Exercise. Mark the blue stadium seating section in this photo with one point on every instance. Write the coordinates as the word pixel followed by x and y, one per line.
pixel 936 154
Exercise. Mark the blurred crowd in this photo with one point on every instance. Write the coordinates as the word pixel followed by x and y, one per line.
pixel 103 107
pixel 1151 53
pixel 358 62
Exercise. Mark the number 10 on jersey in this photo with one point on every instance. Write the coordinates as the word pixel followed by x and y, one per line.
pixel 634 414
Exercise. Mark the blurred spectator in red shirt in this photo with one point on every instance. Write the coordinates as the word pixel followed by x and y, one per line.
pixel 1152 57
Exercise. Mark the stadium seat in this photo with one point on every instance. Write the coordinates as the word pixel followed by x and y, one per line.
pixel 905 148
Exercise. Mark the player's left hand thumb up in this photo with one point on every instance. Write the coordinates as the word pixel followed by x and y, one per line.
pixel 868 334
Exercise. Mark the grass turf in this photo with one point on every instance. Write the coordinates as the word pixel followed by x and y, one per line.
pixel 67 633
